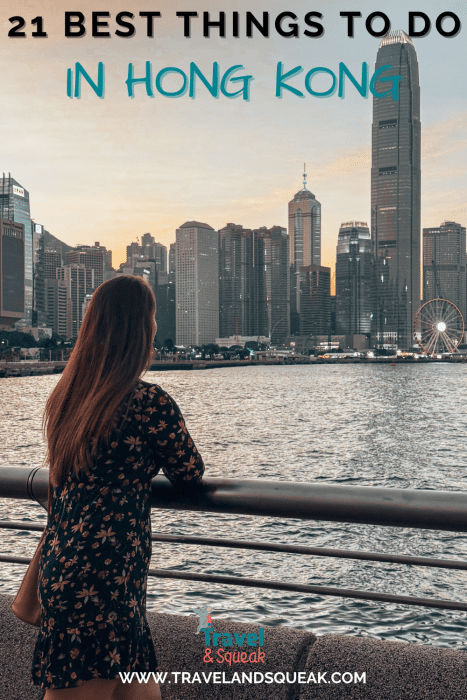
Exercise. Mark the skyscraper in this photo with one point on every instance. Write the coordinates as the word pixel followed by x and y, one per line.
pixel 305 242
pixel 236 276
pixel 79 281
pixel 38 244
pixel 315 302
pixel 444 264
pixel 271 314
pixel 172 264
pixel 197 284
pixel 11 272
pixel 395 194
pixel 354 279
pixel 92 257
pixel 154 251
pixel 14 206
pixel 58 307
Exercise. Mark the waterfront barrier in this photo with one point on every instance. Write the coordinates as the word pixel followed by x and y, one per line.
pixel 413 508
pixel 393 670
pixel 301 665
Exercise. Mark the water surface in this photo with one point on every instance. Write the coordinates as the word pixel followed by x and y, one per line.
pixel 363 425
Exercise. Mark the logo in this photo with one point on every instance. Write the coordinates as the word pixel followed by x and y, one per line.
pixel 205 622
pixel 249 646
pixel 18 191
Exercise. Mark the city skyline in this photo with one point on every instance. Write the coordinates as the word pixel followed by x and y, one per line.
pixel 215 160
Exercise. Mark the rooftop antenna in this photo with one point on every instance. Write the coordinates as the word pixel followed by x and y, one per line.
pixel 304 176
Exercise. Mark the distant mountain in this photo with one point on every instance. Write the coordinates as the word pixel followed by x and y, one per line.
pixel 58 245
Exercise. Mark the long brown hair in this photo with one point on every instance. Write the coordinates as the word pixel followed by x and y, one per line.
pixel 113 347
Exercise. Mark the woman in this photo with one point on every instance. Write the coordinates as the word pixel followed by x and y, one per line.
pixel 108 434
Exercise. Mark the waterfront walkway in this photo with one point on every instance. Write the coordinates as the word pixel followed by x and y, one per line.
pixel 394 670
pixel 30 368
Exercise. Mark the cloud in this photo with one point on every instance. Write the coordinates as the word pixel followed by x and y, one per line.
pixel 445 138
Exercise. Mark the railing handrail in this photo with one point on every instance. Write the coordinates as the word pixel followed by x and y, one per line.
pixel 443 510
pixel 413 508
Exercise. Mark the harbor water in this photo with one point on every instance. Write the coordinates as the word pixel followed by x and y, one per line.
pixel 400 426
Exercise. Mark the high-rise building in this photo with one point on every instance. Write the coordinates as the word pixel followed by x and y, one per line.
pixel 197 284
pixel 14 206
pixel 132 249
pixel 236 281
pixel 315 300
pixel 305 242
pixel 395 194
pixel 172 264
pixel 156 252
pixel 165 308
pixel 52 260
pixel 354 279
pixel 147 270
pixel 38 315
pixel 11 272
pixel 444 264
pixel 271 293
pixel 58 307
pixel 92 257
pixel 79 281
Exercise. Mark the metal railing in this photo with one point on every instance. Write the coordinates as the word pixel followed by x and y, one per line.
pixel 436 510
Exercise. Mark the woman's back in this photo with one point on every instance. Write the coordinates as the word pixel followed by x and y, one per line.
pixel 93 570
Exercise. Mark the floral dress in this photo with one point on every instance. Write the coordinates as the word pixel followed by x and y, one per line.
pixel 96 553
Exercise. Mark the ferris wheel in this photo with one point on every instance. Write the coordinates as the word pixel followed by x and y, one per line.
pixel 438 326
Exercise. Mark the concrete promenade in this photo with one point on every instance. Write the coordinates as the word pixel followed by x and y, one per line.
pixel 394 670
pixel 31 368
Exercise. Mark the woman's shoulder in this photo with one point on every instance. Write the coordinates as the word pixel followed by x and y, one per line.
pixel 150 392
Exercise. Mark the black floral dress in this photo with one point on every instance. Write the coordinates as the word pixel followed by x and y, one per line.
pixel 96 553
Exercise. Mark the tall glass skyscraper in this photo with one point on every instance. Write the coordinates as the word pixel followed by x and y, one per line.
pixel 354 279
pixel 305 243
pixel 197 284
pixel 395 194
pixel 14 206
pixel 444 264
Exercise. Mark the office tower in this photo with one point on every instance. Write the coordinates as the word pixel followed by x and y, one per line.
pixel 106 253
pixel 11 272
pixel 108 259
pixel 354 279
pixel 52 260
pixel 133 249
pixel 333 314
pixel 147 270
pixel 58 307
pixel 271 291
pixel 305 242
pixel 172 264
pixel 197 284
pixel 79 281
pixel 14 206
pixel 395 194
pixel 165 308
pixel 315 300
pixel 92 257
pixel 154 251
pixel 236 281
pixel 159 255
pixel 444 264
pixel 38 314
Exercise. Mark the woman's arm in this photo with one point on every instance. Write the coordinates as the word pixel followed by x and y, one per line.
pixel 164 427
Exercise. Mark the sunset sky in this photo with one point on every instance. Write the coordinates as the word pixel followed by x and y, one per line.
pixel 111 169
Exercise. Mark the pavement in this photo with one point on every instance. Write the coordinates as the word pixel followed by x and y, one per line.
pixel 330 666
